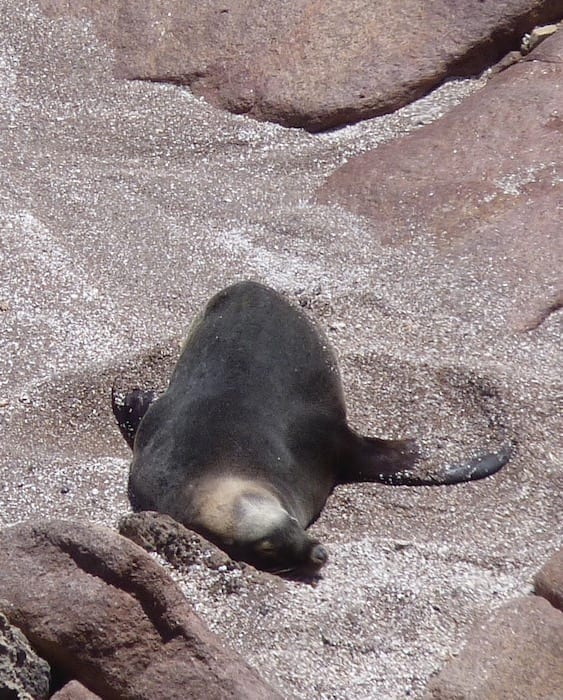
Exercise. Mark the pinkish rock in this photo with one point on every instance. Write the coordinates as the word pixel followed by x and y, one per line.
pixel 549 580
pixel 516 655
pixel 308 64
pixel 74 691
pixel 157 532
pixel 98 608
pixel 483 185
pixel 184 548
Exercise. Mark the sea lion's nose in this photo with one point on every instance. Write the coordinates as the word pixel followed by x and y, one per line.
pixel 318 555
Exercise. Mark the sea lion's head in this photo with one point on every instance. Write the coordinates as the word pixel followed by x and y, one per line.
pixel 248 521
pixel 282 546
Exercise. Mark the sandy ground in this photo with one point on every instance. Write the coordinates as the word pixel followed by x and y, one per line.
pixel 123 207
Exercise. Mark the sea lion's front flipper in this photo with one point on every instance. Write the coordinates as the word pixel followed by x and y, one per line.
pixel 129 409
pixel 398 462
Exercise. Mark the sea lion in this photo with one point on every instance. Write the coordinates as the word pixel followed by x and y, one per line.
pixel 251 437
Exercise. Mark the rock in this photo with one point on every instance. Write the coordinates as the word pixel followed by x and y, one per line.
pixel 156 532
pixel 482 185
pixel 104 613
pixel 516 655
pixel 23 674
pixel 74 691
pixel 548 582
pixel 184 548
pixel 537 35
pixel 303 63
pixel 506 61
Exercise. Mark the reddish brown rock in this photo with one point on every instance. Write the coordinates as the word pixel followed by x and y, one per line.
pixel 549 580
pixel 157 532
pixel 308 63
pixel 98 608
pixel 516 655
pixel 484 185
pixel 184 548
pixel 74 691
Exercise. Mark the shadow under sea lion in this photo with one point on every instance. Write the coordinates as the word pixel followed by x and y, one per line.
pixel 250 438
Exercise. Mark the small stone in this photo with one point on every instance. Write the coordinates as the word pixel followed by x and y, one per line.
pixel 337 326
pixel 536 36
pixel 399 545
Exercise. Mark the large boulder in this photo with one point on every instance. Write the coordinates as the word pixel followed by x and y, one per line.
pixel 483 186
pixel 100 610
pixel 548 582
pixel 517 655
pixel 305 63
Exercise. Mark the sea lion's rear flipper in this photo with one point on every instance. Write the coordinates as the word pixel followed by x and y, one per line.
pixel 398 462
pixel 129 409
pixel 373 459
pixel 477 468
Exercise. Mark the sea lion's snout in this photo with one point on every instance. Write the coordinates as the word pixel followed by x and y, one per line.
pixel 304 560
pixel 286 547
pixel 318 556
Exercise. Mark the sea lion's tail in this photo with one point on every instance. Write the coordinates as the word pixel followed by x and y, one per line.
pixel 129 409
pixel 398 463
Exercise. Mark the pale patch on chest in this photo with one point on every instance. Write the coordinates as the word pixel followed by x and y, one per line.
pixel 236 509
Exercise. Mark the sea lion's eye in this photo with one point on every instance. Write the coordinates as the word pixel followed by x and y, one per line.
pixel 265 546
